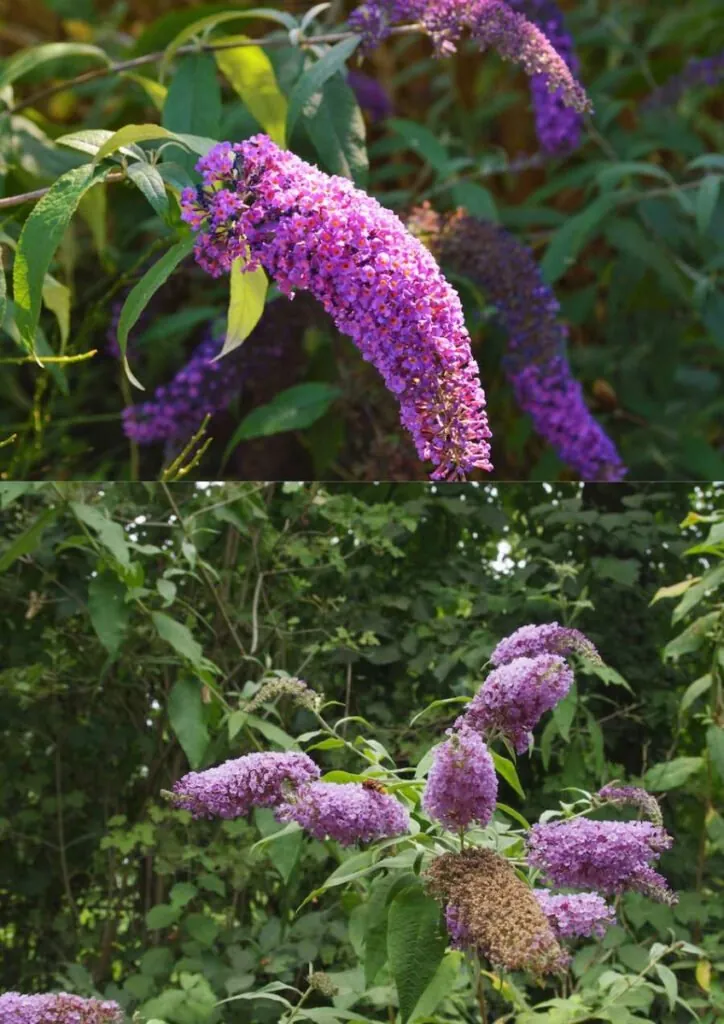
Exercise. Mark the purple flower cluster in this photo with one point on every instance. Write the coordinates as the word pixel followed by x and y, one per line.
pixel 462 786
pixel 492 25
pixel 515 696
pixel 379 284
pixel 578 915
pixel 56 1008
pixel 611 856
pixel 558 126
pixel 550 638
pixel 702 71
pixel 633 796
pixel 370 95
pixel 231 789
pixel 348 812
pixel 535 361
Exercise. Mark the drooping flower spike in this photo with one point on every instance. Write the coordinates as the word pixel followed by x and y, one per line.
pixel 462 786
pixel 492 24
pixel 632 796
pixel 378 283
pixel 550 638
pixel 348 812
pixel 57 1008
pixel 231 789
pixel 535 361
pixel 576 915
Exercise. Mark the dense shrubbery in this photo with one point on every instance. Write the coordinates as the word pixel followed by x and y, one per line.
pixel 152 629
pixel 609 357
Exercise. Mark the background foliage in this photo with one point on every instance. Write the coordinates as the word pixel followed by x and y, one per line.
pixel 137 616
pixel 628 227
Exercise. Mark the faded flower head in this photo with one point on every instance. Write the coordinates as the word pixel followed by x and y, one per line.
pixel 231 789
pixel 348 812
pixel 57 1008
pixel 535 360
pixel 515 696
pixel 578 915
pixel 550 638
pixel 379 284
pixel 611 856
pixel 286 686
pixel 491 24
pixel 492 911
pixel 462 786
pixel 323 984
pixel 633 796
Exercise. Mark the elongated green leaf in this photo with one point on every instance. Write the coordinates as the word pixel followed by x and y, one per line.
pixel 131 133
pixel 314 78
pixel 440 986
pixel 153 89
pixel 376 926
pixel 333 120
pixel 251 74
pixel 477 200
pixel 193 103
pixel 140 295
pixel 108 611
pixel 294 409
pixel 507 770
pixel 28 540
pixel 3 289
pixel 150 184
pixel 695 690
pixel 691 639
pixel 186 715
pixel 179 636
pixel 28 60
pixel 672 774
pixel 569 239
pixel 246 305
pixel 56 297
pixel 415 946
pixel 715 745
pixel 90 140
pixel 110 534
pixel 422 141
pixel 706 199
pixel 565 711
pixel 38 241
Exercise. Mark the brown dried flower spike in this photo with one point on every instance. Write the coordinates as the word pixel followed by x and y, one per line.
pixel 497 913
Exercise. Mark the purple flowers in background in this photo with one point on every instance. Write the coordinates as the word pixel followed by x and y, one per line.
pixel 558 126
pixel 702 71
pixel 611 856
pixel 348 812
pixel 491 23
pixel 535 361
pixel 370 95
pixel 57 1008
pixel 578 915
pixel 378 283
pixel 231 789
pixel 462 786
pixel 550 638
pixel 515 695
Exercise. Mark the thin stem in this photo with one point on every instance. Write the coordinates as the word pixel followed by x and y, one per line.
pixel 301 1002
pixel 42 360
pixel 38 193
pixel 61 833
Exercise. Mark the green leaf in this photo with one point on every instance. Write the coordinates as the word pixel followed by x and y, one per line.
pixel 38 241
pixel 154 90
pixel 706 199
pixel 568 240
pixel 56 297
pixel 131 133
pixel 477 200
pixel 150 184
pixel 3 289
pixel 271 732
pixel 670 983
pixel 108 610
pixel 186 715
pixel 28 540
pixel 376 927
pixel 156 961
pixel 512 813
pixel 182 893
pixel 507 770
pixel 90 140
pixel 621 570
pixel 246 305
pixel 565 711
pixel 179 636
pixel 193 103
pixel 283 850
pixel 691 639
pixel 440 987
pixel 140 295
pixel 110 533
pixel 333 120
pixel 294 409
pixel 422 141
pixel 162 915
pixel 715 745
pixel 672 774
pixel 314 78
pixel 28 60
pixel 628 236
pixel 202 928
pixel 695 690
pixel 675 590
pixel 251 75
pixel 415 946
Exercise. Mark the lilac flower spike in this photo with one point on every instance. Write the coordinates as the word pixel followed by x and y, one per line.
pixel 462 786
pixel 698 72
pixel 378 283
pixel 57 1008
pixel 633 796
pixel 491 23
pixel 515 696
pixel 231 789
pixel 611 856
pixel 550 638
pixel 578 915
pixel 348 812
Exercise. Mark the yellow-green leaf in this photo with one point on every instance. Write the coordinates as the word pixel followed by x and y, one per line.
pixel 153 89
pixel 56 297
pixel 251 74
pixel 27 60
pixel 675 590
pixel 93 208
pixel 703 975
pixel 131 133
pixel 246 305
